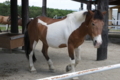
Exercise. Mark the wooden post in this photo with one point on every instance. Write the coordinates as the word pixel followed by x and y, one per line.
pixel 102 51
pixel 44 12
pixel 110 16
pixel 89 5
pixel 118 17
pixel 25 14
pixel 14 16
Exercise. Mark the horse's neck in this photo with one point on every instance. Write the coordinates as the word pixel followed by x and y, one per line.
pixel 82 30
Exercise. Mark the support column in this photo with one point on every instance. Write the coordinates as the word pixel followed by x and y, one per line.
pixel 14 16
pixel 89 6
pixel 25 14
pixel 102 51
pixel 44 12
pixel 118 18
pixel 81 6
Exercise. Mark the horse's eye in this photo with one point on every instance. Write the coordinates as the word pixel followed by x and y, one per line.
pixel 93 24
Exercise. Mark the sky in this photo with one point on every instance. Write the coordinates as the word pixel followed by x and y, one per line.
pixel 57 4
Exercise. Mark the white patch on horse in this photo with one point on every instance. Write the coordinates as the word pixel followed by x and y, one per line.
pixel 77 55
pixel 72 65
pixel 98 39
pixel 42 22
pixel 58 32
pixel 50 63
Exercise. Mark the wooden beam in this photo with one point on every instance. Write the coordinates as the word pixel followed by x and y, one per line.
pixel 118 6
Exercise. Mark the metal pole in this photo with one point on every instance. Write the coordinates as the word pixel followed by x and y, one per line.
pixel 81 73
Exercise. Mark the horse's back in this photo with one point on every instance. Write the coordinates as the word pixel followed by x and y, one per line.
pixel 4 19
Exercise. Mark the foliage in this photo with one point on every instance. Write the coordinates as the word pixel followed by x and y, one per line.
pixel 33 11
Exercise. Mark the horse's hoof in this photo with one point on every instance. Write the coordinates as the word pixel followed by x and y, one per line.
pixel 75 78
pixel 33 70
pixel 68 68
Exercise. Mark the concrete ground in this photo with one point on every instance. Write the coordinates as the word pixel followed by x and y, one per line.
pixel 14 66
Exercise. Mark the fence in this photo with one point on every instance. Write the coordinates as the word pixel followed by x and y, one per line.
pixel 115 24
pixel 80 73
pixel 6 26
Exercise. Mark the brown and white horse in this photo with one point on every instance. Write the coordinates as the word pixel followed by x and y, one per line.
pixel 67 32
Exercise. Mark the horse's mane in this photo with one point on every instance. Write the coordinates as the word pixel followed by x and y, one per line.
pixel 97 14
pixel 77 14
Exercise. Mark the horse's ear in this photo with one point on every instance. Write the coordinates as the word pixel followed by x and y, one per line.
pixel 104 12
pixel 92 13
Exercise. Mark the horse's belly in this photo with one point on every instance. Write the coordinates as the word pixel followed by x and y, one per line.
pixel 55 41
pixel 56 37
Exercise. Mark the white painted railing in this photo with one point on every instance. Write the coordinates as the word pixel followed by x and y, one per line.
pixel 80 73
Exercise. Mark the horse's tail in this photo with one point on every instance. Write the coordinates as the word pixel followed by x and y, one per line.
pixel 27 45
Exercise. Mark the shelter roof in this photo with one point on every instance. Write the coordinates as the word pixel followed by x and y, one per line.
pixel 111 2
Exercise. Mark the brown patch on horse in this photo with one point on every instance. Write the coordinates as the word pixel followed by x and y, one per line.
pixel 62 45
pixel 33 31
pixel 77 36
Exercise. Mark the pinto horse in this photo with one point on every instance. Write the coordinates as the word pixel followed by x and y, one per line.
pixel 59 33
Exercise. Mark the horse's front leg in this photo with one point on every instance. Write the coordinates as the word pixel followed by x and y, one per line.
pixel 71 66
pixel 77 56
pixel 45 53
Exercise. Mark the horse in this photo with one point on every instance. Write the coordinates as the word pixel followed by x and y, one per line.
pixel 4 19
pixel 7 20
pixel 67 32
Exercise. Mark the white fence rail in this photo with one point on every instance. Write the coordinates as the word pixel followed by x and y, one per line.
pixel 80 73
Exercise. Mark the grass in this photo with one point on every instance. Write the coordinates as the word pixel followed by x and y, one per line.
pixel 3 28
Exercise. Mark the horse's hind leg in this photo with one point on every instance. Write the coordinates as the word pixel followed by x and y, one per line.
pixel 45 53
pixel 32 68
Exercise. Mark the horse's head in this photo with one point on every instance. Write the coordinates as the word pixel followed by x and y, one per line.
pixel 94 26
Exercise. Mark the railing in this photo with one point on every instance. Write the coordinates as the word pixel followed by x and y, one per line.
pixel 81 73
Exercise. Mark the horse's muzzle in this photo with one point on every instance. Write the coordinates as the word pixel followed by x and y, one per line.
pixel 96 44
